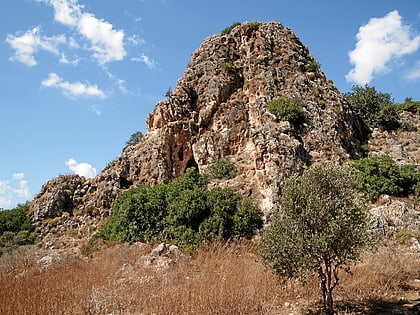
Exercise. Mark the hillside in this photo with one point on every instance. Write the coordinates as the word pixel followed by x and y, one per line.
pixel 217 110
pixel 221 110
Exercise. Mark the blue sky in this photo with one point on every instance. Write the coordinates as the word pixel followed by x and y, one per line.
pixel 78 77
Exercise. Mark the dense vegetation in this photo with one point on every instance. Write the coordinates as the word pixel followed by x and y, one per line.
pixel 375 108
pixel 321 228
pixel 381 175
pixel 16 228
pixel 286 108
pixel 183 211
pixel 223 168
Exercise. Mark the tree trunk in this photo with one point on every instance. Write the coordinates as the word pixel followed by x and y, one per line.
pixel 329 280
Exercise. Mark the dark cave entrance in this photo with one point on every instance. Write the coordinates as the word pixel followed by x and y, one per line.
pixel 191 163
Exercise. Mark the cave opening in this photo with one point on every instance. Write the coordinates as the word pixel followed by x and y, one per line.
pixel 125 183
pixel 191 163
pixel 181 153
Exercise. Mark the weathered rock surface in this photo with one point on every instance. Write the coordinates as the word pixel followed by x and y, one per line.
pixel 218 109
pixel 403 146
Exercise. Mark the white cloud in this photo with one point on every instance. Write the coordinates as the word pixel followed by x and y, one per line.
pixel 378 42
pixel 81 169
pixel 107 43
pixel 146 60
pixel 14 190
pixel 23 190
pixel 136 40
pixel 27 44
pixel 72 89
pixel 5 200
pixel 66 61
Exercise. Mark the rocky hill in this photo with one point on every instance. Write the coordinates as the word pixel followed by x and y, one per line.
pixel 218 109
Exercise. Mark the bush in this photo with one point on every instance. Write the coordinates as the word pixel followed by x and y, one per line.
pixel 322 227
pixel 223 168
pixel 183 211
pixel 375 108
pixel 134 139
pixel 228 29
pixel 312 66
pixel 381 175
pixel 285 108
pixel 16 228
pixel 409 105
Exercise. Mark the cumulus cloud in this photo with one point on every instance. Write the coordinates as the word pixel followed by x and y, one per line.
pixel 107 43
pixel 14 190
pixel 81 169
pixel 23 190
pixel 72 89
pixel 378 42
pixel 30 42
pixel 146 60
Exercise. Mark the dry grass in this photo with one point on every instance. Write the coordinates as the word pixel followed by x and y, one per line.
pixel 217 280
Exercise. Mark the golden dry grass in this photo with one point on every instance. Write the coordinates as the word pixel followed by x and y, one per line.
pixel 216 280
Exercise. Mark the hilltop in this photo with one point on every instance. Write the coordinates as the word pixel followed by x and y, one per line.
pixel 218 110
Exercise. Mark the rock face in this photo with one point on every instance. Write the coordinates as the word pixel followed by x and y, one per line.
pixel 218 109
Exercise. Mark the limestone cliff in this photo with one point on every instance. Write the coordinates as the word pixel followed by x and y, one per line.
pixel 218 109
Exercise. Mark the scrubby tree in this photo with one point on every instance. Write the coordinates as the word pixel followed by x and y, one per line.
pixel 375 108
pixel 134 139
pixel 322 227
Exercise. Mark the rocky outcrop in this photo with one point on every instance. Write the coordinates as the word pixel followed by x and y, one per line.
pixel 219 109
pixel 402 145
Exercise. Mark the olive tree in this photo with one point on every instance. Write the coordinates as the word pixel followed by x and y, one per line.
pixel 321 228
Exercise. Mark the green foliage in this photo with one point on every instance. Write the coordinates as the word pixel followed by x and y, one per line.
pixel 228 29
pixel 16 228
pixel 312 66
pixel 322 227
pixel 375 108
pixel 381 175
pixel 134 139
pixel 229 67
pixel 409 105
pixel 223 168
pixel 15 220
pixel 285 108
pixel 183 211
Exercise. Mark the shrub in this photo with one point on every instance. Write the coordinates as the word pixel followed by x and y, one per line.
pixel 223 168
pixel 322 227
pixel 16 228
pixel 381 175
pixel 134 139
pixel 375 108
pixel 228 29
pixel 183 211
pixel 229 67
pixel 409 105
pixel 285 108
pixel 312 66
